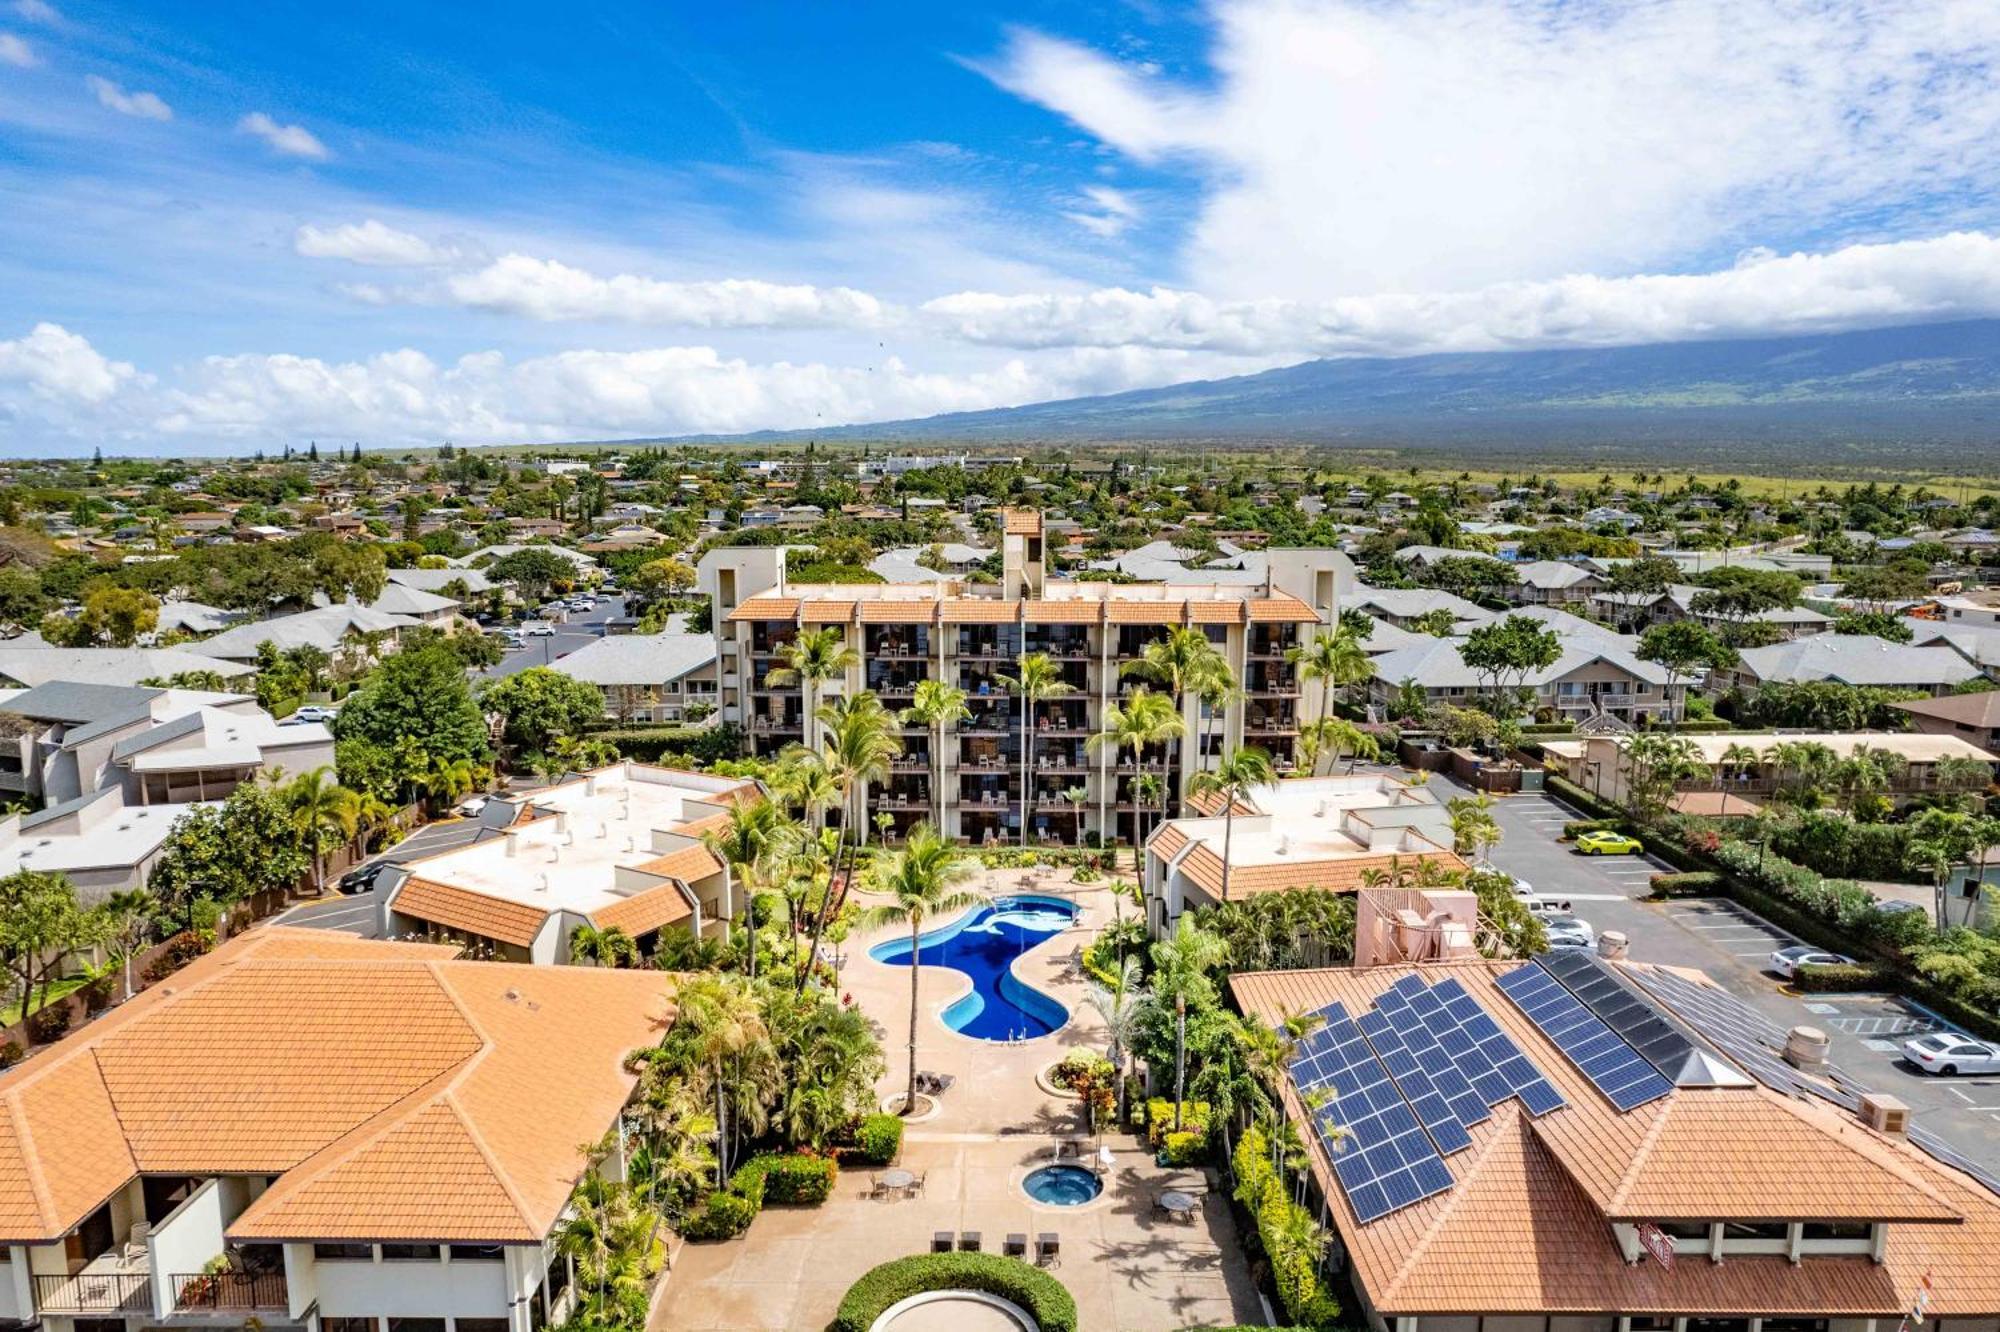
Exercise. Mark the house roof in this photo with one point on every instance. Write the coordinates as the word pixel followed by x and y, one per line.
pixel 325 628
pixel 1553 1185
pixel 396 1094
pixel 624 659
pixel 1980 711
pixel 38 663
pixel 1856 659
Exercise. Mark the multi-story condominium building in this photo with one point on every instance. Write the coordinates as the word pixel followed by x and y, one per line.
pixel 308 1130
pixel 972 635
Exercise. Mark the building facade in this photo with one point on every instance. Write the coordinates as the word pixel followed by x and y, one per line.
pixel 973 635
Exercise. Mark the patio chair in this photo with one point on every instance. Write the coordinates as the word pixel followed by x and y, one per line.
pixel 1048 1249
pixel 916 1189
pixel 1016 1245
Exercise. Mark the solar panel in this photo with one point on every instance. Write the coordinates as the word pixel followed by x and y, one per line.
pixel 1433 1108
pixel 1600 1054
pixel 1386 1160
pixel 1733 1027
pixel 1640 1025
pixel 1943 1152
pixel 1490 1065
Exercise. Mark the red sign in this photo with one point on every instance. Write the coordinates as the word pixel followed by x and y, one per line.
pixel 1658 1243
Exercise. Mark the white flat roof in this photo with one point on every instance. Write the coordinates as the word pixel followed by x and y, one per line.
pixel 117 841
pixel 1915 746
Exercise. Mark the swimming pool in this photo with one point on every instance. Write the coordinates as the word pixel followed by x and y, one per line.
pixel 983 944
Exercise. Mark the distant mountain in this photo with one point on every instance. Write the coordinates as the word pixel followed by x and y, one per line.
pixel 1899 395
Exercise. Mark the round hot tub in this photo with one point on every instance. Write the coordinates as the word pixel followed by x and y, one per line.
pixel 1062 1185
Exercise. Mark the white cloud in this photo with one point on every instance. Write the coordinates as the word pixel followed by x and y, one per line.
pixel 15 52
pixel 58 364
pixel 369 242
pixel 144 105
pixel 37 11
pixel 546 289
pixel 1345 146
pixel 1114 211
pixel 291 140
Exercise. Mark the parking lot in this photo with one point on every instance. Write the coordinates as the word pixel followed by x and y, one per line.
pixel 1733 947
pixel 355 913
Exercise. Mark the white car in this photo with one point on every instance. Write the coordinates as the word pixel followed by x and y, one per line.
pixel 1535 902
pixel 539 629
pixel 1569 932
pixel 1787 961
pixel 469 809
pixel 1949 1054
pixel 314 712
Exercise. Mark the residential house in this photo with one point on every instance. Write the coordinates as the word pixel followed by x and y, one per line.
pixel 27 661
pixel 1554 583
pixel 345 631
pixel 648 677
pixel 1974 718
pixel 96 840
pixel 1596 674
pixel 1855 659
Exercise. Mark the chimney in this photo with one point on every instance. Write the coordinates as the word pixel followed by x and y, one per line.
pixel 512 841
pixel 1885 1114
pixel 1612 945
pixel 1805 1048
pixel 562 820
pixel 590 783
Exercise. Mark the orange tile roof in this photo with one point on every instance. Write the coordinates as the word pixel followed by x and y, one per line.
pixel 898 612
pixel 1215 612
pixel 1281 606
pixel 1064 612
pixel 1553 1185
pixel 1338 874
pixel 476 913
pixel 827 610
pixel 1145 612
pixel 767 608
pixel 396 1093
pixel 981 610
pixel 1021 522
pixel 686 864
pixel 642 913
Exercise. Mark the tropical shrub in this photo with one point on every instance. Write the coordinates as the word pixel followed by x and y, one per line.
pixel 879 1138
pixel 1839 978
pixel 1834 845
pixel 1160 1120
pixel 720 1216
pixel 1040 1295
pixel 1286 1231
pixel 1693 883
pixel 786 1180
pixel 1184 1148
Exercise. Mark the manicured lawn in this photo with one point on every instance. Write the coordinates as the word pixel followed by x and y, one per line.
pixel 55 990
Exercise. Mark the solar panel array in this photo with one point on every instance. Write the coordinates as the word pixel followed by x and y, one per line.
pixel 1407 1081
pixel 1599 1053
pixel 1386 1160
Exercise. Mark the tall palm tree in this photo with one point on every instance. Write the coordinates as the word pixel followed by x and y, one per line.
pixel 607 947
pixel 1177 663
pixel 1237 775
pixel 322 810
pixel 755 830
pixel 1118 1005
pixel 130 913
pixel 1336 659
pixel 1339 737
pixel 936 705
pixel 723 1024
pixel 1740 759
pixel 924 878
pixel 1077 796
pixel 813 658
pixel 1144 719
pixel 1181 963
pixel 1040 678
pixel 1218 692
pixel 862 741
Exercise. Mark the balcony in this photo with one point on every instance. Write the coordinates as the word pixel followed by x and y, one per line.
pixel 106 1286
pixel 229 1292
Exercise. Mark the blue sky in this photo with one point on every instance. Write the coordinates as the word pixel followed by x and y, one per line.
pixel 225 226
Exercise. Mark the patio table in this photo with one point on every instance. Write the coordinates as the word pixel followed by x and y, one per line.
pixel 1178 1204
pixel 897 1179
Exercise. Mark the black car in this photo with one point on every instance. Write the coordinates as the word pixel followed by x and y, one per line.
pixel 362 879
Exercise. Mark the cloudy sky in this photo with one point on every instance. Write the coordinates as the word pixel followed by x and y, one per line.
pixel 231 225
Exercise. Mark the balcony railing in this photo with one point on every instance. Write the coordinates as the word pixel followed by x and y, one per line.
pixel 96 1293
pixel 201 1291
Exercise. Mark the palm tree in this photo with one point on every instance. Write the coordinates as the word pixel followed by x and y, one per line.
pixel 811 659
pixel 1144 719
pixel 723 1024
pixel 607 947
pixel 1040 678
pixel 1339 737
pixel 130 913
pixel 1218 691
pixel 1177 663
pixel 1077 796
pixel 754 830
pixel 862 742
pixel 321 809
pixel 1181 963
pixel 935 706
pixel 1235 776
pixel 1473 827
pixel 1118 1005
pixel 802 778
pixel 924 879
pixel 1943 839
pixel 1740 759
pixel 1335 659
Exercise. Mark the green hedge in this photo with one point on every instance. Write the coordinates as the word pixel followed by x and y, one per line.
pixel 786 1180
pixel 1160 1120
pixel 1839 846
pixel 1690 883
pixel 1576 828
pixel 1288 1247
pixel 721 1216
pixel 1040 1295
pixel 879 1138
pixel 1586 803
pixel 1840 978
pixel 649 744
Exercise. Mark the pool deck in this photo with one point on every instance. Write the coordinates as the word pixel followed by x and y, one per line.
pixel 1129 1270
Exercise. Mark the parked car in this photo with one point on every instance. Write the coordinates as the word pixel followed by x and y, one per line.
pixel 469 809
pixel 539 629
pixel 1535 902
pixel 314 712
pixel 362 878
pixel 1949 1054
pixel 1566 931
pixel 1604 842
pixel 1787 961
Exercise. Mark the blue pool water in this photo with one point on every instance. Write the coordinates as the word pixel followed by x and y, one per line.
pixel 983 944
pixel 1062 1186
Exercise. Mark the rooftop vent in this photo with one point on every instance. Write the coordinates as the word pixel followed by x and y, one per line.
pixel 542 883
pixel 1284 844
pixel 1885 1114
pixel 1805 1048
